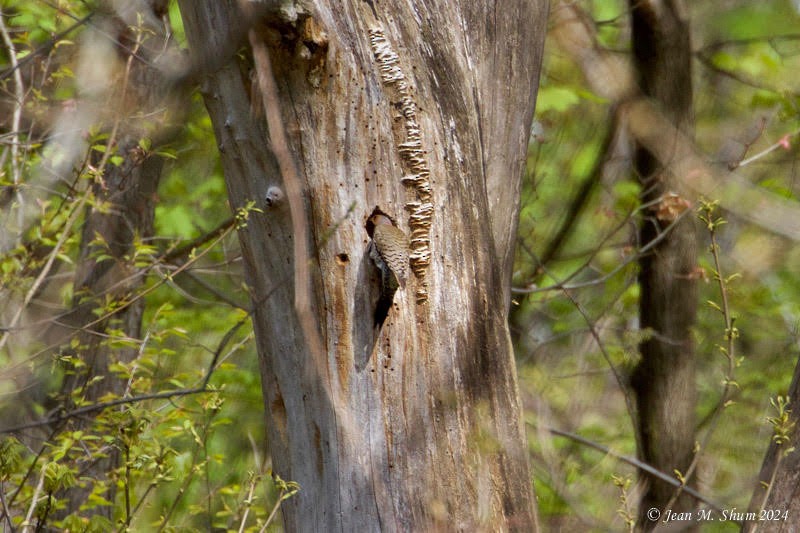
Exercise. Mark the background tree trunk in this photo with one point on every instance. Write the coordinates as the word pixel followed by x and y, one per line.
pixel 119 219
pixel 417 425
pixel 664 380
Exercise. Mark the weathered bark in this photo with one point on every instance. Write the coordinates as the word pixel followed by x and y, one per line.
pixel 664 380
pixel 418 426
pixel 778 486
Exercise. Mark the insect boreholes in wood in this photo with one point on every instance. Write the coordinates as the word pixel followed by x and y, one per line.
pixel 408 141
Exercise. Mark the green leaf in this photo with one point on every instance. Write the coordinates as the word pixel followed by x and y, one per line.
pixel 557 99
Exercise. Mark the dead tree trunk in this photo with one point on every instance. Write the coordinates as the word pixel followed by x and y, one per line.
pixel 664 380
pixel 422 110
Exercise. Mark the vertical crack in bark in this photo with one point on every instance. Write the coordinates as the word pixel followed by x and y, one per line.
pixel 412 156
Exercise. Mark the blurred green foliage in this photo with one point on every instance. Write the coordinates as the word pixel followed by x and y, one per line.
pixel 188 463
pixel 197 462
pixel 746 99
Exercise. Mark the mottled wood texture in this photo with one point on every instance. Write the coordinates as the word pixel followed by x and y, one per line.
pixel 417 426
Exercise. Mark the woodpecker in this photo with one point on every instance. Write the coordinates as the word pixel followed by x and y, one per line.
pixel 389 252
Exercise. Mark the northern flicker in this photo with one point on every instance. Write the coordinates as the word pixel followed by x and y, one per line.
pixel 389 252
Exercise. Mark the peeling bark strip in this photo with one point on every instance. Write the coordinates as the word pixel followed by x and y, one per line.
pixel 413 158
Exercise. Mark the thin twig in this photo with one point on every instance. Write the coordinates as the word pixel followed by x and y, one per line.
pixel 638 464
pixel 708 62
pixel 728 351
pixel 73 218
pixel 770 39
pixel 780 144
pixel 34 500
pixel 248 502
pixel 203 387
pixel 148 290
pixel 561 285
pixel 28 473
pixel 175 257
pixel 273 512
pixel 187 480
pixel 46 47
pixel 5 507
pixel 768 491
pixel 185 249
pixel 19 97
pixel 100 406
pixel 675 150
pixel 77 211
pixel 621 383
pixel 580 198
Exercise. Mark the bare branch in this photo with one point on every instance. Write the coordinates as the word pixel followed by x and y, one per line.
pixel 19 98
pixel 93 408
pixel 610 76
pixel 640 465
